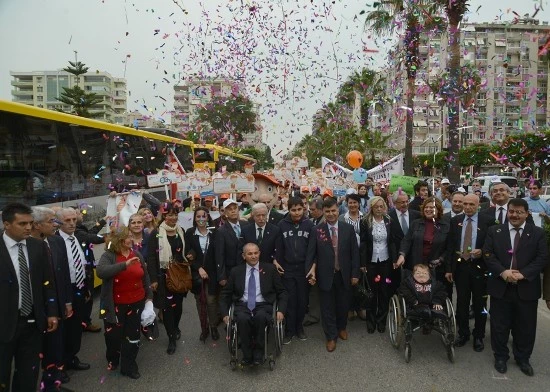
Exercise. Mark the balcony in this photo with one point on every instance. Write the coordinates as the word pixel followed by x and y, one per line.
pixel 22 93
pixel 21 83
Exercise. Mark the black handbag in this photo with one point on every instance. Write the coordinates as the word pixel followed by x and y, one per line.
pixel 363 292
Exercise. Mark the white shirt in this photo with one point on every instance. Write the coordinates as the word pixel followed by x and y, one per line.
pixel 260 227
pixel 203 240
pixel 259 297
pixel 504 212
pixel 513 233
pixel 380 250
pixel 330 228
pixel 13 250
pixel 72 267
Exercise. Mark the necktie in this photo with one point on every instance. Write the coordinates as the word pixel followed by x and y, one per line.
pixel 237 230
pixel 24 282
pixel 78 266
pixel 251 290
pixel 514 264
pixel 335 246
pixel 467 245
pixel 404 224
pixel 260 235
pixel 500 215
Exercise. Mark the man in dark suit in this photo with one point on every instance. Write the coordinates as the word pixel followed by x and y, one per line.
pixel 253 288
pixel 465 266
pixel 29 304
pixel 457 198
pixel 515 253
pixel 228 247
pixel 262 233
pixel 500 195
pixel 333 259
pixel 273 215
pixel 44 227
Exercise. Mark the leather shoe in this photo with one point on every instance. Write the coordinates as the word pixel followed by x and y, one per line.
pixel 133 375
pixel 461 341
pixel 331 345
pixel 92 328
pixel 478 345
pixel 526 368
pixel 500 366
pixel 215 334
pixel 77 365
pixel 171 347
pixel 343 334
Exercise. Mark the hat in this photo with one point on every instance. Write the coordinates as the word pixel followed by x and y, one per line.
pixel 304 189
pixel 445 181
pixel 228 202
pixel 327 192
pixel 461 189
pixel 224 196
pixel 350 191
pixel 209 198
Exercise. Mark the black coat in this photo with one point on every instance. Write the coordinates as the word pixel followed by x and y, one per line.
pixel 208 262
pixel 270 236
pixel 62 275
pixel 395 225
pixel 413 243
pixel 438 294
pixel 366 247
pixel 228 249
pixel 42 286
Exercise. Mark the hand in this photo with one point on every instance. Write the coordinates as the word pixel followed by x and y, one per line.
pixel 438 307
pixel 190 256
pixel 132 261
pixel 203 273
pixel 226 319
pixel 112 194
pixel 52 324
pixel 68 310
pixel 508 276
pixel 449 277
pixel 223 282
pixel 154 286
pixel 280 316
pixel 476 253
pixel 87 296
pixel 518 275
pixel 354 281
pixel 280 269
pixel 399 262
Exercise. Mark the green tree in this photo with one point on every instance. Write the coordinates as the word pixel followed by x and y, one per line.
pixel 224 120
pixel 80 101
pixel 529 151
pixel 264 160
pixel 476 155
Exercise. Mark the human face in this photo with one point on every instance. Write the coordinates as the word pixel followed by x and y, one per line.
pixel 457 201
pixel 534 191
pixel 421 275
pixel 376 190
pixel 48 226
pixel 378 209
pixel 470 204
pixel 402 203
pixel 68 223
pixel 314 212
pixel 476 186
pixel 147 216
pixel 353 205
pixel 369 182
pixel 516 215
pixel 500 194
pixel 445 193
pixel 331 214
pixel 232 212
pixel 260 217
pixel 430 211
pixel 20 228
pixel 423 192
pixel 136 225
pixel 362 191
pixel 251 254
pixel 171 219
pixel 201 219
pixel 296 212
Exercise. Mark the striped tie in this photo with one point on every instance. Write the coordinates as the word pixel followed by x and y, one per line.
pixel 24 283
pixel 78 266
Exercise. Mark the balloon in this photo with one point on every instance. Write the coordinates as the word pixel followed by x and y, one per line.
pixel 359 175
pixel 355 159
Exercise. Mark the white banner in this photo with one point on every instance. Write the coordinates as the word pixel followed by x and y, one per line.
pixel 234 182
pixel 332 169
pixel 384 171
pixel 163 177
pixel 121 207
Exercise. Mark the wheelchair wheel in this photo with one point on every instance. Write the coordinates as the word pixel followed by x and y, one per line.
pixel 451 333
pixel 407 353
pixel 395 322
pixel 451 352
pixel 279 336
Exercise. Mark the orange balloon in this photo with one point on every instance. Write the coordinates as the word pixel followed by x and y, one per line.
pixel 355 159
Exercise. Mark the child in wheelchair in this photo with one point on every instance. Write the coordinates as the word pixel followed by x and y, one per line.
pixel 424 297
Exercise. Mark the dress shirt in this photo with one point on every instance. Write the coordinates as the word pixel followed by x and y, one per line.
pixel 513 232
pixel 537 205
pixel 504 212
pixel 380 251
pixel 68 243
pixel 446 204
pixel 13 250
pixel 406 213
pixel 474 223
pixel 330 228
pixel 259 227
pixel 203 240
pixel 454 214
pixel 259 296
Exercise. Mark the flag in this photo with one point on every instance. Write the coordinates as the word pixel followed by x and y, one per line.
pixel 174 165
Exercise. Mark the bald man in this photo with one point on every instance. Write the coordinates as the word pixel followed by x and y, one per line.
pixel 466 267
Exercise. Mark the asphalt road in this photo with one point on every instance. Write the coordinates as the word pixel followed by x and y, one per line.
pixel 364 362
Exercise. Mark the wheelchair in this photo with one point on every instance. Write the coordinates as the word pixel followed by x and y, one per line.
pixel 401 326
pixel 273 344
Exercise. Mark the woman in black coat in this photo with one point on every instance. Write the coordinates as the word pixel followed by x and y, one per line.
pixel 199 249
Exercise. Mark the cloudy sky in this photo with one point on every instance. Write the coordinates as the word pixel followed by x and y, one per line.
pixel 292 54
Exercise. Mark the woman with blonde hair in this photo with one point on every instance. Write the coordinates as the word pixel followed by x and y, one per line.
pixel 149 221
pixel 377 253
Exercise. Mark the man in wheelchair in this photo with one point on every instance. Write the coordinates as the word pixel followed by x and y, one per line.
pixel 253 288
pixel 424 297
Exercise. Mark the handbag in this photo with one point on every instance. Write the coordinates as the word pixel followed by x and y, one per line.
pixel 363 292
pixel 178 278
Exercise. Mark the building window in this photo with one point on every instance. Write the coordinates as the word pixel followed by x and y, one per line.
pixel 39 89
pixel 39 98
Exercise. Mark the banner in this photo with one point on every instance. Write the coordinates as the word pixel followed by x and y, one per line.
pixel 121 207
pixel 234 182
pixel 385 171
pixel 406 183
pixel 332 169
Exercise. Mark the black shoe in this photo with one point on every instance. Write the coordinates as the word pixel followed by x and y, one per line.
pixel 171 347
pixel 500 366
pixel 64 377
pixel 478 345
pixel 178 334
pixel 461 341
pixel 203 336
pixel 381 328
pixel 246 362
pixel 526 368
pixel 214 332
pixel 370 329
pixel 133 375
pixel 301 335
pixel 287 339
pixel 75 364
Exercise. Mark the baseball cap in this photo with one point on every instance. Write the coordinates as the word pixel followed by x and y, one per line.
pixel 327 192
pixel 445 181
pixel 304 189
pixel 228 202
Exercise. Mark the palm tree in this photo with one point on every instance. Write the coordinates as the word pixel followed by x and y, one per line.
pixel 387 18
pixel 376 142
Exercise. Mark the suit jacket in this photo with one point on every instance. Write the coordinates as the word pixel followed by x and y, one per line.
pixel 192 245
pixel 367 242
pixel 321 252
pixel 454 251
pixel 269 240
pixel 491 212
pixel 448 216
pixel 397 231
pixel 531 256
pixel 271 287
pixel 546 283
pixel 62 276
pixel 274 216
pixel 228 249
pixel 413 243
pixel 42 286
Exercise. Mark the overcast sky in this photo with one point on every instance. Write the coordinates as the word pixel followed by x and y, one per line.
pixel 155 44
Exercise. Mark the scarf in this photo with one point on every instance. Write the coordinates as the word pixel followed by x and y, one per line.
pixel 165 250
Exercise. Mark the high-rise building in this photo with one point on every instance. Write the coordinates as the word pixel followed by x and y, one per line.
pixel 42 88
pixel 513 96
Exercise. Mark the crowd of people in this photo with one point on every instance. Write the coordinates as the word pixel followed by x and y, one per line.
pixel 304 250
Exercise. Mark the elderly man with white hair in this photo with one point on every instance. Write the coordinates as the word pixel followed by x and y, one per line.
pixel 262 233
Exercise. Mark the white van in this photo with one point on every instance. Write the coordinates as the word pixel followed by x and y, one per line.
pixel 485 181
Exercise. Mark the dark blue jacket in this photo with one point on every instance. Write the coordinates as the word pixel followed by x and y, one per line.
pixel 292 245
